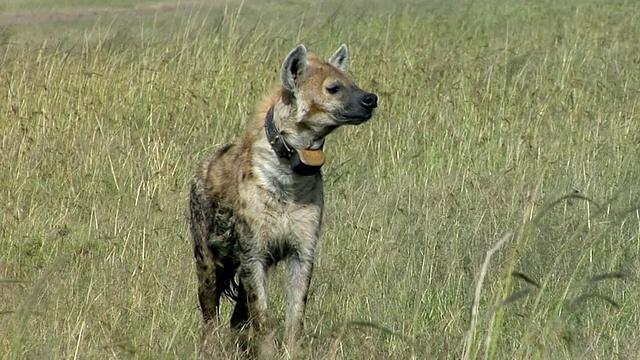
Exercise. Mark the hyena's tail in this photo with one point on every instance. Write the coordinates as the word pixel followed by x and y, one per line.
pixel 214 267
pixel 200 219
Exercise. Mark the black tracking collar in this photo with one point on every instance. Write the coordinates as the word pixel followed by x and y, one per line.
pixel 284 150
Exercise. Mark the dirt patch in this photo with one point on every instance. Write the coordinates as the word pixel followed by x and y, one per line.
pixel 44 17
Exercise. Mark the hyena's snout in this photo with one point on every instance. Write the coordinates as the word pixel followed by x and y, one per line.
pixel 360 107
pixel 369 101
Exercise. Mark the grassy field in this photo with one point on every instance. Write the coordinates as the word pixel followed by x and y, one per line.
pixel 19 6
pixel 504 125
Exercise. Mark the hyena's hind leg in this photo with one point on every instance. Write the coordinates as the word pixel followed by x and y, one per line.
pixel 240 318
pixel 209 289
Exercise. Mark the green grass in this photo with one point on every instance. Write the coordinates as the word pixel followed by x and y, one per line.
pixel 45 5
pixel 512 121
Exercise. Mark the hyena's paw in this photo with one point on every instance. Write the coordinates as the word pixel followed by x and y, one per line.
pixel 265 347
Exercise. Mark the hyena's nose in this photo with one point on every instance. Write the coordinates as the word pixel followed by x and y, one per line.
pixel 369 101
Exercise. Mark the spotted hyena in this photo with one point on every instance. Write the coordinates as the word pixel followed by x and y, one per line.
pixel 259 200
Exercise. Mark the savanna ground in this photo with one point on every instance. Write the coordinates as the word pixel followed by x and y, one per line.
pixel 500 122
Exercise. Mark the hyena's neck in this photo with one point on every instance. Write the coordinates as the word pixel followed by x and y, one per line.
pixel 275 172
pixel 295 131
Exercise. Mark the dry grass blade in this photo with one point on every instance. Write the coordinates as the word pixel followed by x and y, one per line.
pixel 29 303
pixel 562 199
pixel 606 276
pixel 527 279
pixel 589 296
pixel 470 336
pixel 12 281
pixel 520 294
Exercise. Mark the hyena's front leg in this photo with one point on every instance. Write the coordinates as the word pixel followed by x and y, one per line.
pixel 253 276
pixel 299 270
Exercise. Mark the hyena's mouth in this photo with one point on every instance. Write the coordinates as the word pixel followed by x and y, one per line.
pixel 355 119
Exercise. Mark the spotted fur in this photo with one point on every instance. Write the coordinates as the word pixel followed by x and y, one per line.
pixel 250 210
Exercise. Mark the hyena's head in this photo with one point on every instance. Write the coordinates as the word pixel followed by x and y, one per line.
pixel 322 93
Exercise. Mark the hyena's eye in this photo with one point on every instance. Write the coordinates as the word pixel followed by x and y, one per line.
pixel 333 89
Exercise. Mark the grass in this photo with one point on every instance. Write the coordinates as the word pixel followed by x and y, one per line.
pixel 501 122
pixel 43 5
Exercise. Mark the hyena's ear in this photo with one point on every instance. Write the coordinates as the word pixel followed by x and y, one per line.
pixel 293 67
pixel 340 58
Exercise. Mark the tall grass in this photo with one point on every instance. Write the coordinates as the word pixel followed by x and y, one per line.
pixel 508 122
